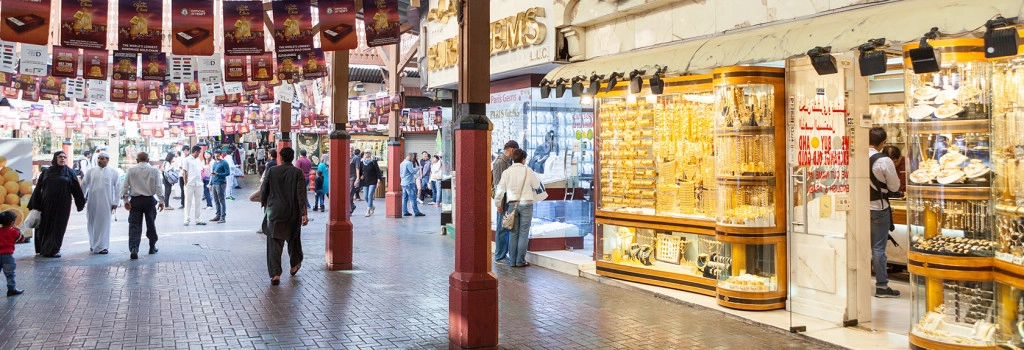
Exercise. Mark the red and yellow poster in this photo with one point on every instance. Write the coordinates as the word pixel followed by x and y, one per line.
pixel 26 21
pixel 154 66
pixel 382 23
pixel 262 67
pixel 140 25
pixel 289 66
pixel 314 64
pixel 118 90
pixel 126 65
pixel 94 64
pixel 172 93
pixel 151 93
pixel 191 90
pixel 293 31
pixel 132 91
pixel 243 28
pixel 235 68
pixel 51 85
pixel 338 25
pixel 192 27
pixel 65 62
pixel 83 24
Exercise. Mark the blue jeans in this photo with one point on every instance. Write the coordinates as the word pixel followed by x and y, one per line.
pixel 519 239
pixel 409 196
pixel 435 187
pixel 218 199
pixel 318 201
pixel 500 240
pixel 7 265
pixel 880 222
pixel 307 193
pixel 206 192
pixel 424 184
pixel 368 194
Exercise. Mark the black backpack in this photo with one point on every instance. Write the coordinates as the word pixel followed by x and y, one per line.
pixel 78 168
pixel 876 192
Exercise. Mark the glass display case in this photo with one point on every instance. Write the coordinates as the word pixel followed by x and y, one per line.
pixel 956 312
pixel 687 261
pixel 1008 158
pixel 628 172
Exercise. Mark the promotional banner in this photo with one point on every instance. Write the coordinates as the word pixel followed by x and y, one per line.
pixel 34 59
pixel 151 93
pixel 191 90
pixel 140 25
pixel 118 90
pixel 154 66
pixel 243 28
pixel 192 27
pixel 94 64
pixel 289 66
pixel 293 31
pixel 183 68
pixel 51 86
pixel 8 57
pixel 381 19
pixel 65 62
pixel 337 25
pixel 314 64
pixel 83 24
pixel 235 68
pixel 132 91
pixel 172 93
pixel 126 65
pixel 209 69
pixel 188 128
pixel 262 67
pixel 26 21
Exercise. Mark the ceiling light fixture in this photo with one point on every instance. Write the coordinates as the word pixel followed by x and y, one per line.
pixel 1001 38
pixel 872 60
pixel 612 80
pixel 560 87
pixel 925 59
pixel 636 81
pixel 658 85
pixel 822 60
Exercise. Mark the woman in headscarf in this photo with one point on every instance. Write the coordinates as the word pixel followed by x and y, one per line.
pixel 52 197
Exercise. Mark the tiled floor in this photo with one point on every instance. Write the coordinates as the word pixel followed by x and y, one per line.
pixel 208 288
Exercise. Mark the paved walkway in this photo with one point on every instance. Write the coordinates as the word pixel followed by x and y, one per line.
pixel 208 288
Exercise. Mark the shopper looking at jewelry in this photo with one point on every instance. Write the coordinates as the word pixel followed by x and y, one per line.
pixel 518 189
pixel 884 184
pixel 502 162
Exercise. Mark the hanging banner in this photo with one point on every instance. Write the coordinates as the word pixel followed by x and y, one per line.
pixel 151 93
pixel 8 58
pixel 75 88
pixel 381 19
pixel 289 66
pixel 172 94
pixel 192 27
pixel 96 90
pixel 154 66
pixel 337 25
pixel 191 90
pixel 94 64
pixel 235 69
pixel 51 86
pixel 293 31
pixel 314 64
pixel 178 112
pixel 243 28
pixel 83 24
pixel 209 70
pixel 183 68
pixel 26 21
pixel 118 90
pixel 34 59
pixel 140 25
pixel 132 91
pixel 6 79
pixel 188 128
pixel 65 62
pixel 126 65
pixel 262 67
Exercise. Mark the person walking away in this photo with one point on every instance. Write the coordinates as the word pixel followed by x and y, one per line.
pixel 230 181
pixel 305 165
pixel 192 172
pixel 261 160
pixel 318 186
pixel 436 175
pixel 170 173
pixel 218 185
pixel 283 197
pixel 142 199
pixel 83 164
pixel 884 184
pixel 273 159
pixel 409 186
pixel 178 162
pixel 353 178
pixel 100 186
pixel 498 167
pixel 55 189
pixel 369 176
pixel 520 188
pixel 324 168
pixel 9 236
pixel 425 168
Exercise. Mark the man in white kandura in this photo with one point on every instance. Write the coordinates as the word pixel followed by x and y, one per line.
pixel 192 173
pixel 100 185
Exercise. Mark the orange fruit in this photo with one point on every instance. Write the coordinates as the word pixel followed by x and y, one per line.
pixel 25 187
pixel 12 187
pixel 13 199
pixel 10 175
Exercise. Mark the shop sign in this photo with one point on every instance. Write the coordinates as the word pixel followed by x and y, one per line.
pixel 517 31
pixel 83 24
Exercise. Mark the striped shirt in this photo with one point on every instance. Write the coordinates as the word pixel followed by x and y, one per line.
pixel 497 168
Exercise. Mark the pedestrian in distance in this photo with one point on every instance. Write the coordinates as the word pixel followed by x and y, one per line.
pixel 55 189
pixel 318 186
pixel 369 176
pixel 283 197
pixel 100 186
pixel 142 199
pixel 409 180
pixel 219 185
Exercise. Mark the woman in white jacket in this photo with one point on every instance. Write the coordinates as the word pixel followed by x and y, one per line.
pixel 519 187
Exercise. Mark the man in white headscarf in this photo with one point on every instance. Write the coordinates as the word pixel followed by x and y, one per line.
pixel 100 185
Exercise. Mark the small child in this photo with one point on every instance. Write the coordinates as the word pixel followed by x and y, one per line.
pixel 9 235
pixel 319 188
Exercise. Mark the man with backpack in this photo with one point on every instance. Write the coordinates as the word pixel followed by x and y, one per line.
pixel 83 165
pixel 885 184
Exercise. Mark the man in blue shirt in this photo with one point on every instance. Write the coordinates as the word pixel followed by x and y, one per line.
pixel 409 185
pixel 218 184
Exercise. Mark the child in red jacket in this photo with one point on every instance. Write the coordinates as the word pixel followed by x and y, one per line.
pixel 9 235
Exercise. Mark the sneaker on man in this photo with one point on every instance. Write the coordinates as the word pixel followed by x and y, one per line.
pixel 221 221
pixel 186 223
pixel 201 223
pixel 886 293
pixel 230 199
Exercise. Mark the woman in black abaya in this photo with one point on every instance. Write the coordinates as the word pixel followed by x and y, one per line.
pixel 52 197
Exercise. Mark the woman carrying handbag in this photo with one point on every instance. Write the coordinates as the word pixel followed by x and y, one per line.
pixel 520 188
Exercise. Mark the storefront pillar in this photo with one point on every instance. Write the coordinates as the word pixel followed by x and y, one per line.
pixel 286 128
pixel 393 197
pixel 67 147
pixel 339 225
pixel 473 288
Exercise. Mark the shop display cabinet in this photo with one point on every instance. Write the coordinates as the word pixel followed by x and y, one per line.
pixel 749 140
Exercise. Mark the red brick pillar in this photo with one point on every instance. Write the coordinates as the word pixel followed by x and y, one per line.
pixel 473 288
pixel 339 224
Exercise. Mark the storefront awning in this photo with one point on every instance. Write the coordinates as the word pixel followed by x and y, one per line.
pixel 898 22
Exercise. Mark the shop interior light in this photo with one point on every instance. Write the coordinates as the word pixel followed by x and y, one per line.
pixel 612 80
pixel 872 59
pixel 545 88
pixel 560 87
pixel 822 60
pixel 658 85
pixel 636 81
pixel 1001 38
pixel 925 59
pixel 595 84
pixel 577 85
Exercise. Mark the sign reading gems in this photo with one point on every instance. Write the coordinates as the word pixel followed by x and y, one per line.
pixel 507 34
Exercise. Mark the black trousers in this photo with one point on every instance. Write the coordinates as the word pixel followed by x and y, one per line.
pixel 181 188
pixel 276 246
pixel 142 207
